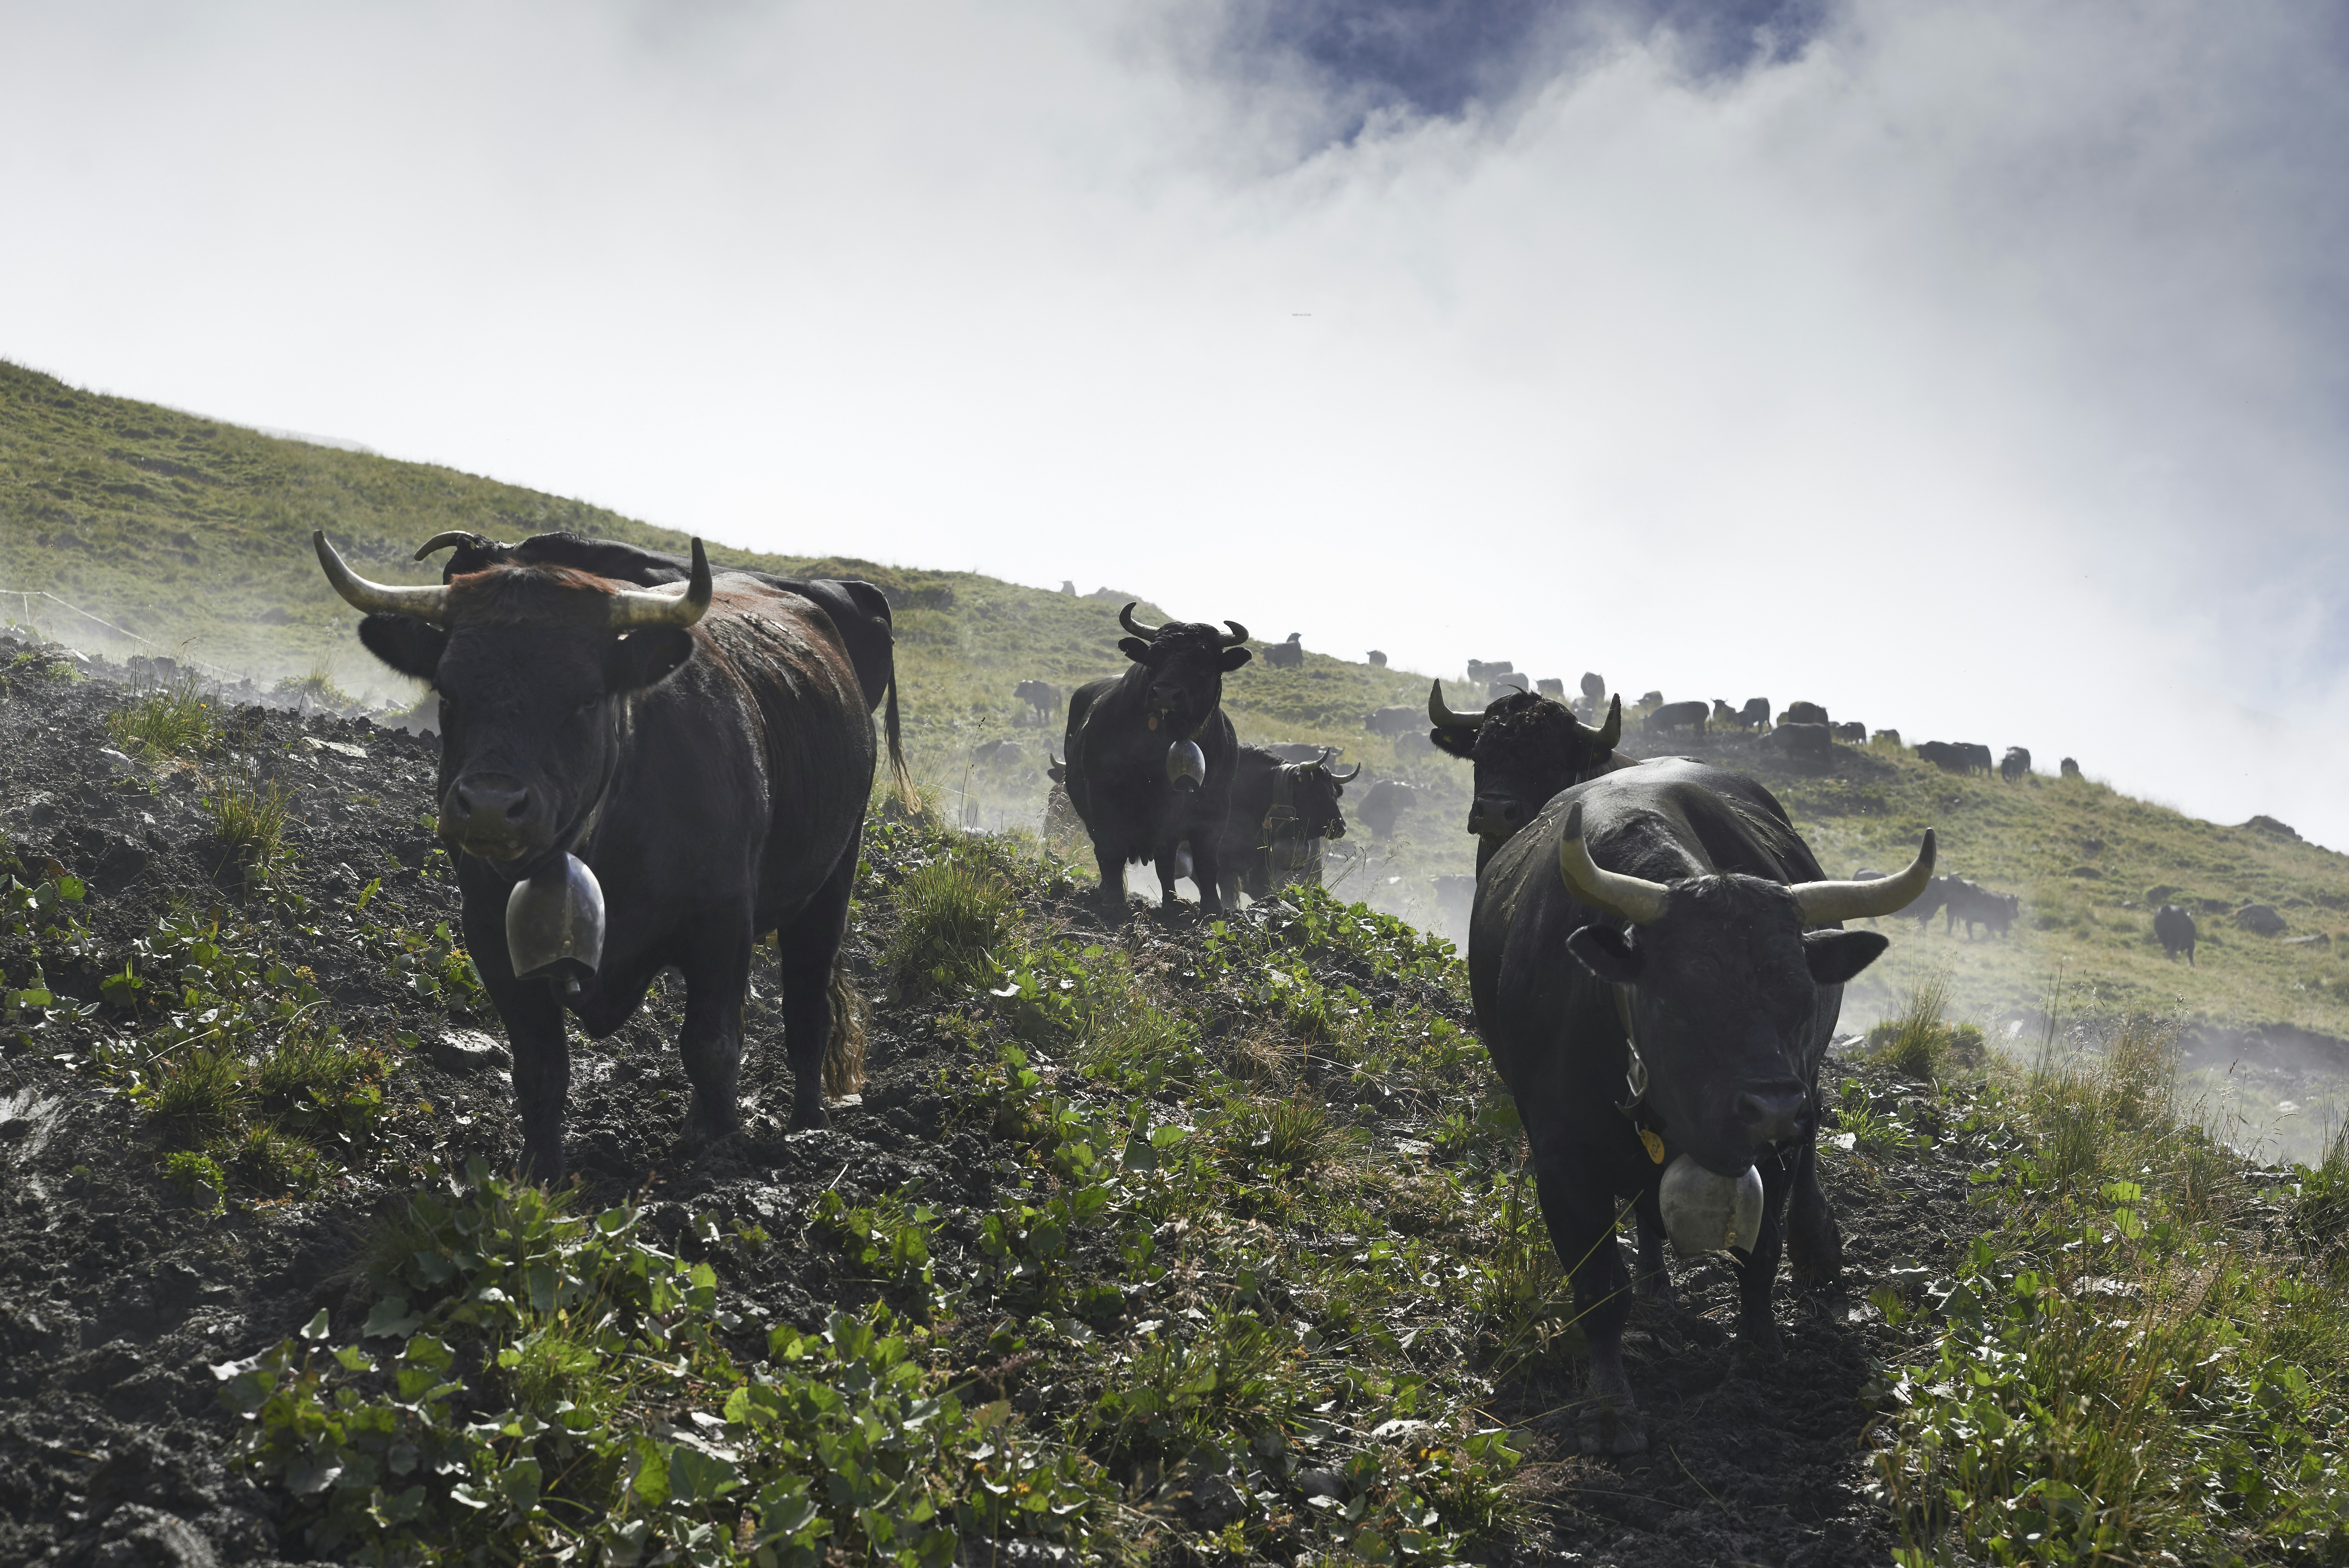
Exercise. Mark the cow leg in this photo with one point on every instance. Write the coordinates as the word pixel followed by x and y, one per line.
pixel 1207 872
pixel 809 948
pixel 534 1030
pixel 1655 1279
pixel 717 974
pixel 1814 1244
pixel 1112 879
pixel 1757 1272
pixel 1581 1216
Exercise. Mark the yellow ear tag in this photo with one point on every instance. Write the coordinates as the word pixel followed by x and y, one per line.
pixel 1654 1145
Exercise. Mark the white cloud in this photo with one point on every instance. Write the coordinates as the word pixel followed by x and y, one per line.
pixel 1977 372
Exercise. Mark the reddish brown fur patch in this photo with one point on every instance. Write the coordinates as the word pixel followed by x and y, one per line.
pixel 531 596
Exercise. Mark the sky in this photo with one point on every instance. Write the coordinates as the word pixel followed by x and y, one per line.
pixel 1977 370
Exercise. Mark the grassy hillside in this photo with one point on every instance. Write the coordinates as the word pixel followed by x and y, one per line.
pixel 194 534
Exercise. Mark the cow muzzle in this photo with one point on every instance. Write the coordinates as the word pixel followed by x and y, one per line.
pixel 1495 815
pixel 1708 1213
pixel 1773 1112
pixel 491 815
pixel 554 922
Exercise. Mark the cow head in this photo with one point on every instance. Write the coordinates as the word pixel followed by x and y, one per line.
pixel 1186 662
pixel 1721 976
pixel 534 665
pixel 1312 789
pixel 1527 748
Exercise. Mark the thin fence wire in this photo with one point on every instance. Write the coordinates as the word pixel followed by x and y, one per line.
pixel 26 595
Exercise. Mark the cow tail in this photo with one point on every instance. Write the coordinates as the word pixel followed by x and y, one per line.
pixel 843 1053
pixel 910 797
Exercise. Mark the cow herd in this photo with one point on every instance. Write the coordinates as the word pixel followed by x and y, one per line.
pixel 647 764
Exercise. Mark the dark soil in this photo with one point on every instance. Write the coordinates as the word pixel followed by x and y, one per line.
pixel 117 1295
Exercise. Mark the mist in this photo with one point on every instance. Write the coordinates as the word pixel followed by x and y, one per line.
pixel 1975 370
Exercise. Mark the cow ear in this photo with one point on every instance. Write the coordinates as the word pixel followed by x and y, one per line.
pixel 1610 955
pixel 1460 743
pixel 1235 657
pixel 1133 648
pixel 1835 956
pixel 411 646
pixel 645 656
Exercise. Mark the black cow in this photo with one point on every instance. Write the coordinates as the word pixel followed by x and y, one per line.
pixel 1949 756
pixel 1305 751
pixel 1383 805
pixel 1125 755
pixel 1552 687
pixel 1703 929
pixel 706 755
pixel 1481 671
pixel 2015 765
pixel 1853 732
pixel 1391 721
pixel 1974 905
pixel 1280 812
pixel 1042 695
pixel 1676 716
pixel 2070 767
pixel 1288 655
pixel 1753 715
pixel 1378 659
pixel 1977 758
pixel 2177 930
pixel 1525 749
pixel 1804 713
pixel 998 754
pixel 1887 737
pixel 1814 742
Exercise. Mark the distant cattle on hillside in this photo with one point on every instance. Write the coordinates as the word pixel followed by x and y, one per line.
pixel 1803 713
pixel 1378 659
pixel 2176 930
pixel 2069 767
pixel 1676 716
pixel 1043 696
pixel 1974 905
pixel 1814 742
pixel 1391 721
pixel 1383 804
pixel 2015 765
pixel 1854 732
pixel 1288 655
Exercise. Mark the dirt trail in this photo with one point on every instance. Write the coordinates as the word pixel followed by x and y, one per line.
pixel 117 1295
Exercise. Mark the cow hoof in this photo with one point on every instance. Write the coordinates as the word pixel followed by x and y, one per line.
pixel 1610 1429
pixel 808 1118
pixel 542 1168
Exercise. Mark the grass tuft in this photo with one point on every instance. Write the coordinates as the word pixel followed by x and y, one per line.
pixel 171 720
pixel 249 817
pixel 953 915
pixel 1919 1043
pixel 199 1096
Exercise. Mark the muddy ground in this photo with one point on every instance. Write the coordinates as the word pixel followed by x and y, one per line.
pixel 117 1295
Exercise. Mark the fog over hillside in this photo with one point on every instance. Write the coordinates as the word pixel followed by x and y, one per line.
pixel 1975 369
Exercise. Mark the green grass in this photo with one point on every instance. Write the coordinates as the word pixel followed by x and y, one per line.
pixel 249 817
pixel 952 916
pixel 171 719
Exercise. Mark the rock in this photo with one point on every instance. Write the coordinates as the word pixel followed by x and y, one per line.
pixel 1217 1502
pixel 340 747
pixel 115 763
pixel 2259 919
pixel 468 1051
pixel 2270 825
pixel 2318 940
pixel 1321 1483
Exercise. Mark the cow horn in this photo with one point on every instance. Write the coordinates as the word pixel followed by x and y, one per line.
pixel 1239 635
pixel 1612 730
pixel 1826 902
pixel 1636 899
pixel 1125 618
pixel 1444 717
pixel 456 536
pixel 1329 756
pixel 634 607
pixel 427 603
